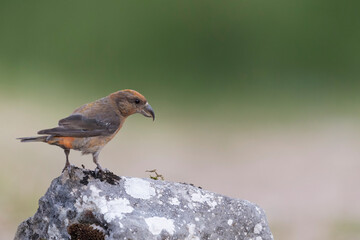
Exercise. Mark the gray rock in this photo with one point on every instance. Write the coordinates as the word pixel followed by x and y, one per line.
pixel 105 206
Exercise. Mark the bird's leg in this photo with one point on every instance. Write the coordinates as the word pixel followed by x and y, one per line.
pixel 95 159
pixel 67 164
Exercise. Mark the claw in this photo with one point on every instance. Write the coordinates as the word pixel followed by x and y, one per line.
pixel 68 169
pixel 99 168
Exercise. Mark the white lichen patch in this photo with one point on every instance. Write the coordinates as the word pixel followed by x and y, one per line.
pixel 158 224
pixel 258 210
pixel 111 209
pixel 230 222
pixel 97 227
pixel 139 188
pixel 204 198
pixel 258 238
pixel 191 235
pixel 258 228
pixel 63 215
pixel 116 208
pixel 53 232
pixel 174 201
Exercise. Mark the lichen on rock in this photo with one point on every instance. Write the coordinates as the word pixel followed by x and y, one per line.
pixel 91 206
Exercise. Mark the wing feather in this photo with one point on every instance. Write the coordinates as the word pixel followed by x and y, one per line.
pixel 80 126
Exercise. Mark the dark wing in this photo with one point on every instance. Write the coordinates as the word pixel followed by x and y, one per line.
pixel 81 126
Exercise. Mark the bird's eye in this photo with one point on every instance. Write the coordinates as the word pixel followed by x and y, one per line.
pixel 137 101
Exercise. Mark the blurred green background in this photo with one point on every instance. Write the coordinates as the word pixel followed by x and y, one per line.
pixel 228 80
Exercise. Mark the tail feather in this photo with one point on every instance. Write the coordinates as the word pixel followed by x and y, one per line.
pixel 33 139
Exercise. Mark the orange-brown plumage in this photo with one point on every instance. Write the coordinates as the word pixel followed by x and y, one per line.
pixel 90 127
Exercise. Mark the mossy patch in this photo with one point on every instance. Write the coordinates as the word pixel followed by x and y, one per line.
pixel 107 176
pixel 80 231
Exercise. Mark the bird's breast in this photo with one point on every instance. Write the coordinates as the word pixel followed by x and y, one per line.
pixel 92 144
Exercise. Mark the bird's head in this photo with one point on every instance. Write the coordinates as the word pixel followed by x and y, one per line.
pixel 130 102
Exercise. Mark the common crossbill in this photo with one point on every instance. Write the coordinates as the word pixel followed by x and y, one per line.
pixel 90 127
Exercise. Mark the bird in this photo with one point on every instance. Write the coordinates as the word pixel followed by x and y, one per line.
pixel 90 127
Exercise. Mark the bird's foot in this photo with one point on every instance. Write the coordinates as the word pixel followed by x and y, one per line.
pixel 68 168
pixel 100 171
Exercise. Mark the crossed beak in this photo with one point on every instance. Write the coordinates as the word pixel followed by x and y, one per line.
pixel 147 111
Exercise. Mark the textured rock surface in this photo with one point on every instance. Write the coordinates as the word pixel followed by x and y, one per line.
pixel 86 206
